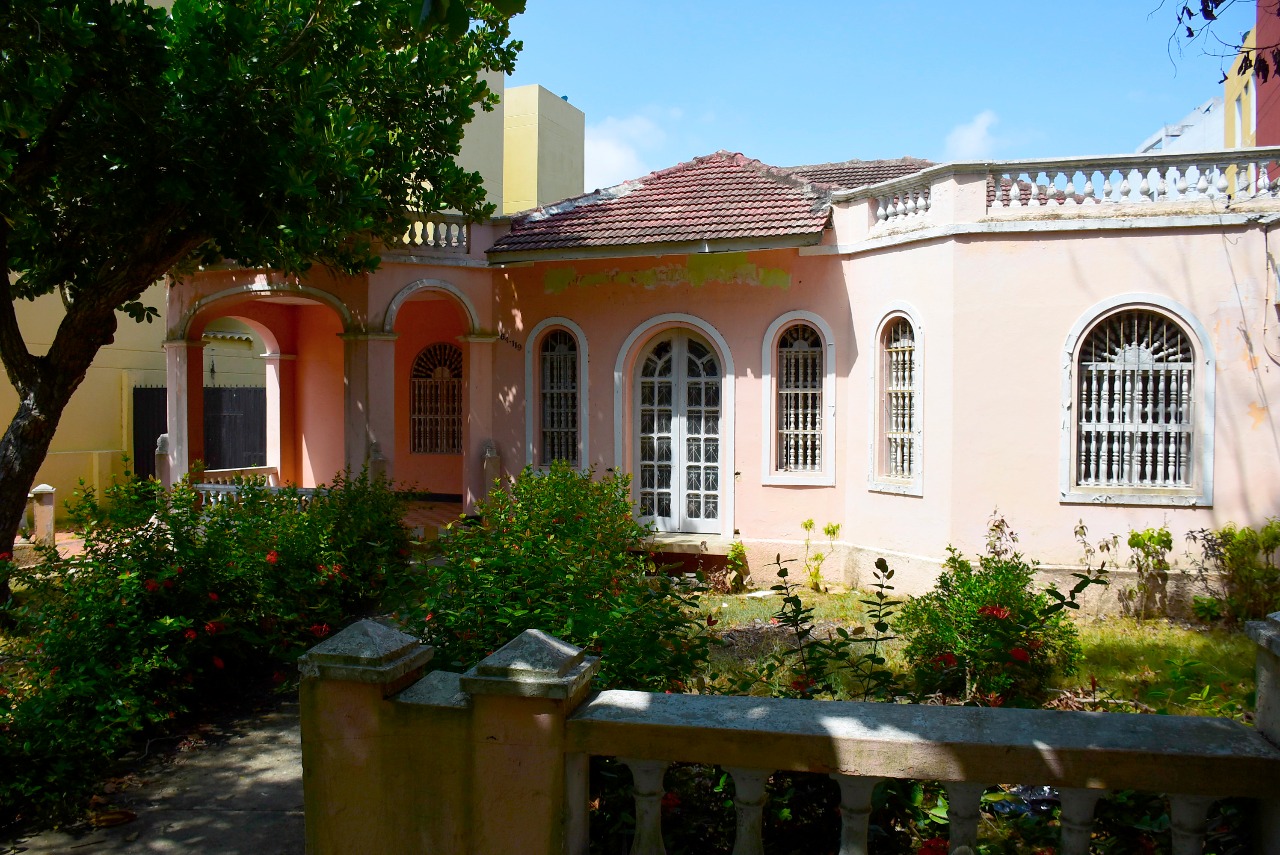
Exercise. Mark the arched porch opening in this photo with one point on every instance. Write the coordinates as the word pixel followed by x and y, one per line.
pixel 303 371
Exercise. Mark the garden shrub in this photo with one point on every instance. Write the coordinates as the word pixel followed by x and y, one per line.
pixel 984 634
pixel 170 604
pixel 1237 566
pixel 561 552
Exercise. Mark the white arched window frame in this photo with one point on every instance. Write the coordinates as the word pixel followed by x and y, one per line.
pixel 533 389
pixel 773 471
pixel 1198 491
pixel 622 388
pixel 889 425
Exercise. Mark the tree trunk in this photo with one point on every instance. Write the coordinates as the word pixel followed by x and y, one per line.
pixel 41 402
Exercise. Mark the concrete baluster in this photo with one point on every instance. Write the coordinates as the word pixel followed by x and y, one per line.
pixel 1189 815
pixel 648 791
pixel 855 811
pixel 1266 634
pixel 963 799
pixel 748 798
pixel 1077 819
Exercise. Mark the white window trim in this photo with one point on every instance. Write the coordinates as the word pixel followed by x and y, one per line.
pixel 622 383
pixel 1200 495
pixel 875 482
pixel 533 402
pixel 770 474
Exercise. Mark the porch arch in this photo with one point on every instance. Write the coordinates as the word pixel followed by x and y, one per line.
pixel 262 289
pixel 418 285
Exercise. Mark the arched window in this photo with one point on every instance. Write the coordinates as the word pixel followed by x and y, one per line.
pixel 558 394
pixel 898 427
pixel 798 417
pixel 800 378
pixel 1135 399
pixel 436 405
pixel 1140 392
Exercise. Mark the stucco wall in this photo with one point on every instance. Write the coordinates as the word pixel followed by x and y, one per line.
pixel 422 323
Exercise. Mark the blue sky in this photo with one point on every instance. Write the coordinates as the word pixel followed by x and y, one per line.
pixel 665 81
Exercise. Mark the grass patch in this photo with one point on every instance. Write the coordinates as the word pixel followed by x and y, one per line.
pixel 1156 665
pixel 1170 667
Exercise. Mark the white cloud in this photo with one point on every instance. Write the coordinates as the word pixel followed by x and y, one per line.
pixel 973 140
pixel 617 150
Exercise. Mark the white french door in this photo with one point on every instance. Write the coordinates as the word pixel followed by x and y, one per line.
pixel 677 430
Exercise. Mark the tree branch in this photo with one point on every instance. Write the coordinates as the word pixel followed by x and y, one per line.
pixel 18 363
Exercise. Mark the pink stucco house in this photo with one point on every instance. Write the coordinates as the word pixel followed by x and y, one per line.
pixel 895 346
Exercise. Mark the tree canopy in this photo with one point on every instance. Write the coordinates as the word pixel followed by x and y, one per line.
pixel 279 133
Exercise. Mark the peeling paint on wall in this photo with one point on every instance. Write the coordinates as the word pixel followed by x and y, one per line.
pixel 726 268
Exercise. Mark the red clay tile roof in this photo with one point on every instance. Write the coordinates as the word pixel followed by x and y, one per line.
pixel 859 173
pixel 719 197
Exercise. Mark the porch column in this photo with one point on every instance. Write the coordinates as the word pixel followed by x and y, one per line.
pixel 477 430
pixel 282 424
pixel 369 365
pixel 184 399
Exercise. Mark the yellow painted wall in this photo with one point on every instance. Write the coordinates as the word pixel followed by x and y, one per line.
pixel 543 160
pixel 96 429
pixel 1238 96
pixel 482 144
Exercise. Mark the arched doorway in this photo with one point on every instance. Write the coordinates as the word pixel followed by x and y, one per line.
pixel 677 427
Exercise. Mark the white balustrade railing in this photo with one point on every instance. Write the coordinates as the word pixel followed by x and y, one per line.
pixel 1103 185
pixel 221 493
pixel 903 204
pixel 269 474
pixel 437 233
pixel 1083 755
pixel 508 743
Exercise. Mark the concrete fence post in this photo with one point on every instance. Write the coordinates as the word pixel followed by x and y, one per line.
pixel 350 740
pixel 42 513
pixel 162 459
pixel 522 798
pixel 1267 635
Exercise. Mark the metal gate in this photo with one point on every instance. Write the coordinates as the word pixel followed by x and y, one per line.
pixel 235 427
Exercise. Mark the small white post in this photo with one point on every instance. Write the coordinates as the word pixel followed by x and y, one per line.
pixel 963 798
pixel 1190 815
pixel 1077 819
pixel 42 522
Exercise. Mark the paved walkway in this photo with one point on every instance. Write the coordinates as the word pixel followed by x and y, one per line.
pixel 241 792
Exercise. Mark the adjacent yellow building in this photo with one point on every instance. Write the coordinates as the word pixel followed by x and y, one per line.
pixel 543 157
pixel 1240 99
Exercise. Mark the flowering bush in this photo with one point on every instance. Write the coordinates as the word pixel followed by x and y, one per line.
pixel 983 634
pixel 169 603
pixel 561 552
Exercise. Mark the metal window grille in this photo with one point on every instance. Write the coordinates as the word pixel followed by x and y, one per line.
pixel 559 392
pixel 436 407
pixel 1134 398
pixel 900 436
pixel 799 387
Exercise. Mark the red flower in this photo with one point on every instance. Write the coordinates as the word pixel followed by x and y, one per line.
pixel 214 627
pixel 320 630
pixel 190 635
pixel 997 612
pixel 945 660
pixel 213 596
pixel 217 663
pixel 1020 654
pixel 273 557
pixel 151 585
pixel 168 583
pixel 430 617
pixel 670 801
pixel 278 677
pixel 801 684
pixel 933 846
pixel 6 556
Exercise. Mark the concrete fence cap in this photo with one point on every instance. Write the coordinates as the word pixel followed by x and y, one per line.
pixel 532 655
pixel 1266 632
pixel 366 643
